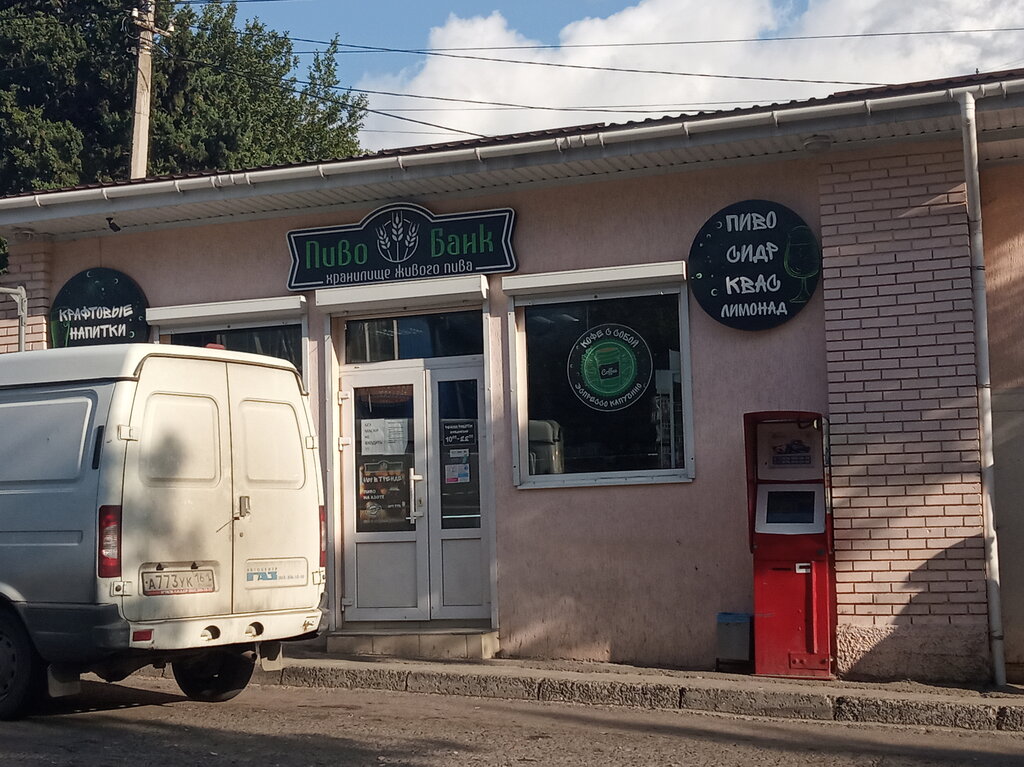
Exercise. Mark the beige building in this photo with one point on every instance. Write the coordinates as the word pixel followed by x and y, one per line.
pixel 496 481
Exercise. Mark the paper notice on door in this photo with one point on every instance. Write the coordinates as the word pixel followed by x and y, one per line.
pixel 456 473
pixel 384 436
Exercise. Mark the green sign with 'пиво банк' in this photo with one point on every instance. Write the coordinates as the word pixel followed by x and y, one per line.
pixel 402 242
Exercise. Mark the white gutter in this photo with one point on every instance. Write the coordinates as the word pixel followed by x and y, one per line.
pixel 20 297
pixel 770 118
pixel 977 240
pixel 803 114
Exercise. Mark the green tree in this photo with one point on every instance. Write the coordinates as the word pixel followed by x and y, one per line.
pixel 227 99
pixel 223 98
pixel 65 93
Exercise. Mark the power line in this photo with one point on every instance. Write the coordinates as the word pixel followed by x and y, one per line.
pixel 407 132
pixel 625 70
pixel 605 108
pixel 621 109
pixel 624 109
pixel 566 46
pixel 556 65
pixel 484 105
pixel 448 52
pixel 443 129
pixel 453 99
pixel 641 44
pixel 722 41
pixel 448 99
pixel 285 86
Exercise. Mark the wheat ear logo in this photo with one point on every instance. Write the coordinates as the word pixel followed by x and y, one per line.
pixel 397 239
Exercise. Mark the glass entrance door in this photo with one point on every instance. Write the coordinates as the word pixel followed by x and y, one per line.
pixel 414 492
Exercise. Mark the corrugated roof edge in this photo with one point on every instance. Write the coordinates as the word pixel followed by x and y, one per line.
pixel 900 89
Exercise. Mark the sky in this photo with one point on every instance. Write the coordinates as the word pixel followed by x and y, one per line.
pixel 568 82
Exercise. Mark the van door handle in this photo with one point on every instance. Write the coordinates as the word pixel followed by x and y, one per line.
pixel 244 507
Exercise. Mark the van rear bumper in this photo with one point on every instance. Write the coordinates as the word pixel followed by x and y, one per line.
pixel 220 630
pixel 87 634
pixel 76 633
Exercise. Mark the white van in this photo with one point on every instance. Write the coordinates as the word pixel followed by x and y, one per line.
pixel 158 504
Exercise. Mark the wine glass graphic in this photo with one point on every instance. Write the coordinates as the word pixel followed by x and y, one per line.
pixel 801 260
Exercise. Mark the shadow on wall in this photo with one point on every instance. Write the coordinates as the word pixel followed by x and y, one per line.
pixel 657 609
pixel 936 623
pixel 939 629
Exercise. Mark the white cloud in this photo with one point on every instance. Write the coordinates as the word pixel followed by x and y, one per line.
pixel 862 60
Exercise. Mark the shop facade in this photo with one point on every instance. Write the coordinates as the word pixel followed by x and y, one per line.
pixel 531 393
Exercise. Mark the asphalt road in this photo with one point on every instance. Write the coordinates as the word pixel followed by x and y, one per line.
pixel 146 721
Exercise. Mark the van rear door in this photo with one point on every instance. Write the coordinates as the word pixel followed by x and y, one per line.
pixel 176 535
pixel 276 488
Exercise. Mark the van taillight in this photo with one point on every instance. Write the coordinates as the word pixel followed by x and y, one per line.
pixel 109 539
pixel 323 537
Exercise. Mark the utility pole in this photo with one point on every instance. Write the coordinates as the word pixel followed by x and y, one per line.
pixel 145 20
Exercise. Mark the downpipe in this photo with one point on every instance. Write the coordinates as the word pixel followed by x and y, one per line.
pixel 981 339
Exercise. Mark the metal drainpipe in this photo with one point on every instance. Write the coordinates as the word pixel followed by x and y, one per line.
pixel 995 610
pixel 20 297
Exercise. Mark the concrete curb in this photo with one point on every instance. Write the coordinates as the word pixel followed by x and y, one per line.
pixel 754 697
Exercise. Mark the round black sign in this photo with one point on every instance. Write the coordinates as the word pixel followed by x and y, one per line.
pixel 754 265
pixel 609 367
pixel 99 306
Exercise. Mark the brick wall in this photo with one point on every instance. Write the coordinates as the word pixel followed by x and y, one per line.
pixel 903 412
pixel 29 266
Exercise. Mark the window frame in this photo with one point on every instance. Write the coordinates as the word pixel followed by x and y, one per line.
pixel 346 319
pixel 521 477
pixel 280 311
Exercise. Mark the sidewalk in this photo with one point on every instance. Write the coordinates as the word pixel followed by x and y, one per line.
pixel 607 684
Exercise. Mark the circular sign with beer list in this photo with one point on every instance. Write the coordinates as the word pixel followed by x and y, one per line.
pixel 99 306
pixel 609 367
pixel 754 265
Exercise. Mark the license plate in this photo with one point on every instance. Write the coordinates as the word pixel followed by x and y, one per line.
pixel 163 582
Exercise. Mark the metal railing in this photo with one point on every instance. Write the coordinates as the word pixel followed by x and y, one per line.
pixel 21 299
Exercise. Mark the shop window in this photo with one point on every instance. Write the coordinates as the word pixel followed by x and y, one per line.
pixel 422 336
pixel 458 445
pixel 606 397
pixel 282 341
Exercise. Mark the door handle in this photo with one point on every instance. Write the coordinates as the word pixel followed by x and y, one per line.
pixel 244 507
pixel 414 506
pixel 803 567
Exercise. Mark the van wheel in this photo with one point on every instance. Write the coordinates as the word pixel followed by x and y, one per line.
pixel 19 667
pixel 216 676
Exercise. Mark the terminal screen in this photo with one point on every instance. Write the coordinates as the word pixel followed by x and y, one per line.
pixel 790 507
